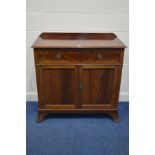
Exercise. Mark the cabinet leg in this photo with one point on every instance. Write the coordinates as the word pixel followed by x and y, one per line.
pixel 40 117
pixel 115 116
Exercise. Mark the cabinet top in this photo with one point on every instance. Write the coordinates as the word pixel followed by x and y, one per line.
pixel 78 40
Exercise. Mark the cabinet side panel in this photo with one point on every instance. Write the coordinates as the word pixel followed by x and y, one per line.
pixel 118 83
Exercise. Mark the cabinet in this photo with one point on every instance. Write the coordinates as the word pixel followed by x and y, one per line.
pixel 78 73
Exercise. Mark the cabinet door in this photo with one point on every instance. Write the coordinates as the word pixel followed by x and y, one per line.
pixel 59 86
pixel 98 86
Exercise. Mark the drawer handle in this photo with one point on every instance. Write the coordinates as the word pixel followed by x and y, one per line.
pixel 58 56
pixel 99 56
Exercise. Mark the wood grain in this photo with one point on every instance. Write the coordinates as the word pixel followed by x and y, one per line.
pixel 59 85
pixel 97 85
pixel 77 56
pixel 78 79
pixel 78 40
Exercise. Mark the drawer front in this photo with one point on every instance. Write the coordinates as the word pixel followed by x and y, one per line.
pixel 101 57
pixel 54 56
pixel 82 56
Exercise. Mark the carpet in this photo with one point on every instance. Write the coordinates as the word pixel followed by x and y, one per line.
pixel 77 135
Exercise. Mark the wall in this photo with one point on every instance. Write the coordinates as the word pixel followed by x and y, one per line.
pixel 76 16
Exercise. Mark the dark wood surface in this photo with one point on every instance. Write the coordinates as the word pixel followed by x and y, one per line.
pixel 78 40
pixel 72 79
pixel 78 56
pixel 59 84
pixel 97 85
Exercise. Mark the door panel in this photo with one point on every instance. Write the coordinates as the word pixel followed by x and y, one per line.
pixel 97 86
pixel 59 84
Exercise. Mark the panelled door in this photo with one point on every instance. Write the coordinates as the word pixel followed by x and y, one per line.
pixel 77 86
pixel 98 84
pixel 59 86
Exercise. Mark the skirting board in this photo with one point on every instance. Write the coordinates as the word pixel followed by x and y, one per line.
pixel 32 96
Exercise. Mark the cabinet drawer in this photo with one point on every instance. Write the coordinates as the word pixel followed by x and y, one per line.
pixel 105 56
pixel 55 56
pixel 101 56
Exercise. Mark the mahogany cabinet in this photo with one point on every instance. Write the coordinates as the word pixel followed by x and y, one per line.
pixel 78 73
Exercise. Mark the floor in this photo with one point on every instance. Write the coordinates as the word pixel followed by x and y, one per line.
pixel 77 135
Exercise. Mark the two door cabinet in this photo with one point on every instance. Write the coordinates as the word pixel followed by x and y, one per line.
pixel 78 73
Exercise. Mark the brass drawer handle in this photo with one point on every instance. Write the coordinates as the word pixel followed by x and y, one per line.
pixel 99 56
pixel 59 56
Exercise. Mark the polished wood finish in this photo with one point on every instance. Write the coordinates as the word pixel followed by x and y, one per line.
pixel 78 73
pixel 76 56
pixel 59 84
pixel 97 86
pixel 78 40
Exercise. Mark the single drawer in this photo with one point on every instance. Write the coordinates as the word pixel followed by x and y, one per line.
pixel 106 56
pixel 48 56
pixel 78 56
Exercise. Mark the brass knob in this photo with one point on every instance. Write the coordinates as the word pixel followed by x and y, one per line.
pixel 99 56
pixel 58 56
